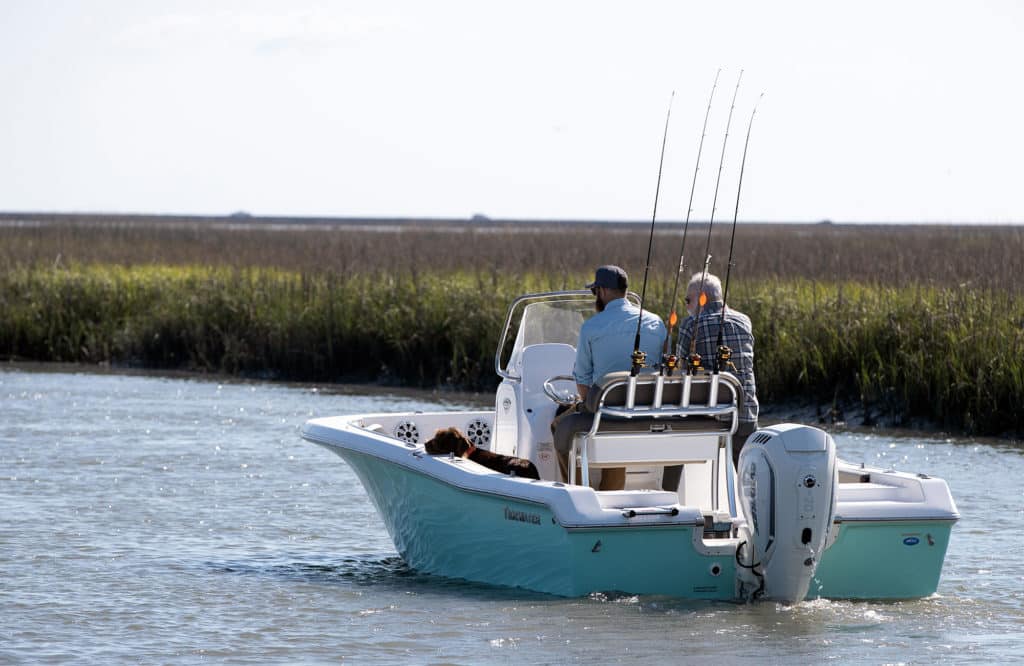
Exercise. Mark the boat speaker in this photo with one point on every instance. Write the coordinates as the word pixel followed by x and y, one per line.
pixel 479 432
pixel 407 432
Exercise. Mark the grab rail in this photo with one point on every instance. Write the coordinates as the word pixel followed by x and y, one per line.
pixel 683 409
pixel 651 511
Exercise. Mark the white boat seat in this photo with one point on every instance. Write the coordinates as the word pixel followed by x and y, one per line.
pixel 648 449
pixel 650 433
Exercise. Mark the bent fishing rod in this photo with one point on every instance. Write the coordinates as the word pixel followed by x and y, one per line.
pixel 723 358
pixel 694 360
pixel 671 360
pixel 638 357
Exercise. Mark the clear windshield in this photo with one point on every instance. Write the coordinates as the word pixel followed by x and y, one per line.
pixel 549 321
pixel 554 317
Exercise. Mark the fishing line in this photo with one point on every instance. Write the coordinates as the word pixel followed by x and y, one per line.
pixel 725 353
pixel 673 318
pixel 694 359
pixel 639 358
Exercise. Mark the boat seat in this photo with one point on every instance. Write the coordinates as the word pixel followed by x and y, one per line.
pixel 653 433
pixel 619 444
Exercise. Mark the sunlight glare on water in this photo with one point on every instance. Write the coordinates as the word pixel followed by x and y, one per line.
pixel 168 520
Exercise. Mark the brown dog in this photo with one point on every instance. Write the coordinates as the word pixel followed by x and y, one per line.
pixel 451 440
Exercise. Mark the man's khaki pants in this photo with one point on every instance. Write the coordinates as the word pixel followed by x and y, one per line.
pixel 563 427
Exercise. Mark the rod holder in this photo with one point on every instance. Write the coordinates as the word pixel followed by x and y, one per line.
pixel 631 392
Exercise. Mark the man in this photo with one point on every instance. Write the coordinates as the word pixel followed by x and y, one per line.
pixel 704 296
pixel 606 345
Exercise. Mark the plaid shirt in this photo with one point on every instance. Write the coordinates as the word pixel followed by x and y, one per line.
pixel 737 336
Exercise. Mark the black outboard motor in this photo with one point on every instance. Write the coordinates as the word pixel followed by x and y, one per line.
pixel 788 480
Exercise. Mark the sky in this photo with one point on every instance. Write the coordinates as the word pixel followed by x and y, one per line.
pixel 873 111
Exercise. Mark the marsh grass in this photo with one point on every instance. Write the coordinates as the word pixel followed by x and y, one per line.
pixel 908 323
pixel 948 355
pixel 985 258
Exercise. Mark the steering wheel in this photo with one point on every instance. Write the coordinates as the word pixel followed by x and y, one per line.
pixel 565 398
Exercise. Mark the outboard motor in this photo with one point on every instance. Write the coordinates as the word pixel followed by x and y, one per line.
pixel 788 483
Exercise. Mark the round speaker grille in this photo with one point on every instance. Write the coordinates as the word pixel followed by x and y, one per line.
pixel 479 432
pixel 407 432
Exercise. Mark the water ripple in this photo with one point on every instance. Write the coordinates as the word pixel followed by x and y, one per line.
pixel 164 520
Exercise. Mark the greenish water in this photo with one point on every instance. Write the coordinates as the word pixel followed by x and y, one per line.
pixel 162 520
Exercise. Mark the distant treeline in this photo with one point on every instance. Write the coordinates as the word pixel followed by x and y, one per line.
pixel 909 323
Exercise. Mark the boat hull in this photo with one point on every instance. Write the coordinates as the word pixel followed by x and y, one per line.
pixel 448 531
pixel 451 517
pixel 883 560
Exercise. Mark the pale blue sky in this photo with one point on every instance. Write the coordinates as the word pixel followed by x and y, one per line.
pixel 874 111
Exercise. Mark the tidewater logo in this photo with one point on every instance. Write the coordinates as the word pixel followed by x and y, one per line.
pixel 522 516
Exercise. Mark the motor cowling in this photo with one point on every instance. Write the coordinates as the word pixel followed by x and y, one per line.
pixel 787 484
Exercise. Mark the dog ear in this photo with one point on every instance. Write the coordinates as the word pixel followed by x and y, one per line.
pixel 434 444
pixel 464 444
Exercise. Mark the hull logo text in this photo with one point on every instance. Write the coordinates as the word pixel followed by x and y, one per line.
pixel 522 516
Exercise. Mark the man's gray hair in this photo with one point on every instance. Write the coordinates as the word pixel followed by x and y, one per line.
pixel 712 286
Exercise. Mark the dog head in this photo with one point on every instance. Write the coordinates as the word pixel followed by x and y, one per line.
pixel 449 440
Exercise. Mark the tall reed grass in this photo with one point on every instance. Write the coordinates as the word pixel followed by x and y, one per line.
pixel 950 355
pixel 898 256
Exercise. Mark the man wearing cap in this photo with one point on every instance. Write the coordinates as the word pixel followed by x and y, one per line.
pixel 606 345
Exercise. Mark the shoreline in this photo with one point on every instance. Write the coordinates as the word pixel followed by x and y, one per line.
pixel 795 411
pixel 329 388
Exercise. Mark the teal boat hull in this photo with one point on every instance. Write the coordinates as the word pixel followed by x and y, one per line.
pixel 451 517
pixel 883 560
pixel 447 531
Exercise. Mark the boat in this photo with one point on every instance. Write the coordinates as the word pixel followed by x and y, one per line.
pixel 791 521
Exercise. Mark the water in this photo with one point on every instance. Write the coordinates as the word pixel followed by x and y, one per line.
pixel 161 520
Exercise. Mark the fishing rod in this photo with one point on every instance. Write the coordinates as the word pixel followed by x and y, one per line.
pixel 694 361
pixel 724 357
pixel 638 357
pixel 671 360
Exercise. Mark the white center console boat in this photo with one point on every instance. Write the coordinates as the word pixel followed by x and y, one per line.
pixel 793 522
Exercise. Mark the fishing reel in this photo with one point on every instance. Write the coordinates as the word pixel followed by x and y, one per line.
pixel 639 361
pixel 724 359
pixel 693 364
pixel 669 363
